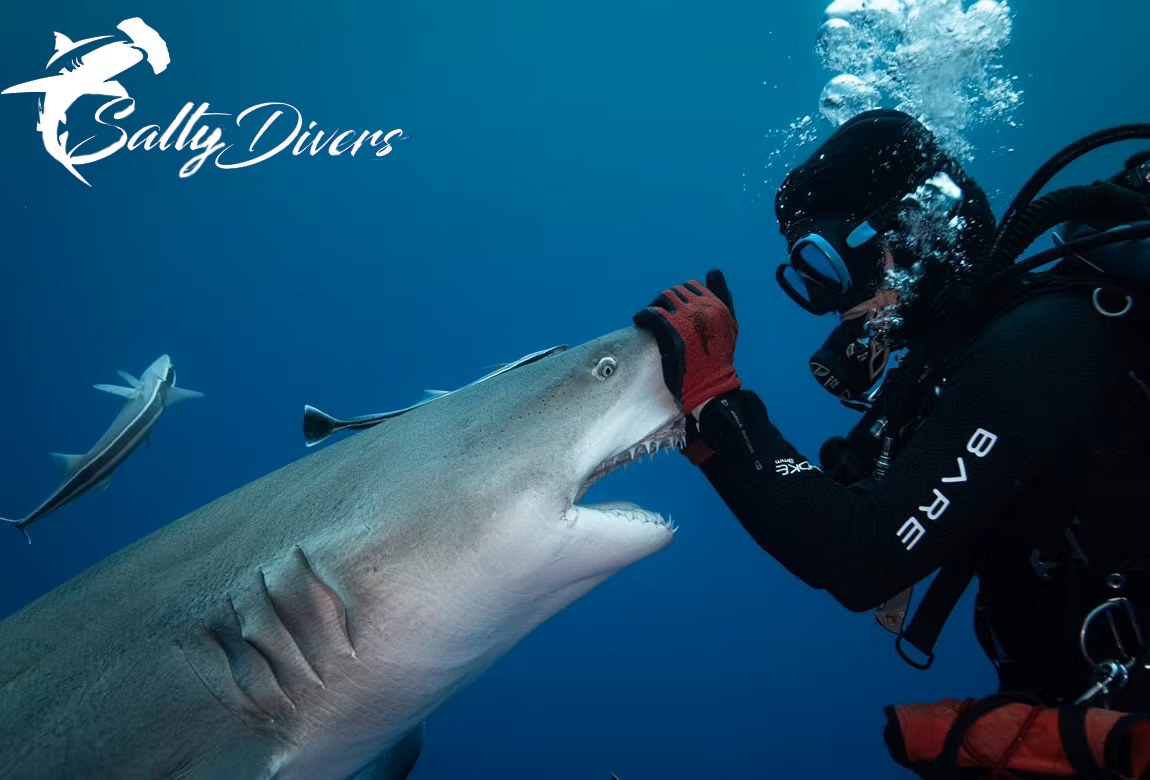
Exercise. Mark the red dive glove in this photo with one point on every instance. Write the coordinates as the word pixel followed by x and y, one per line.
pixel 695 329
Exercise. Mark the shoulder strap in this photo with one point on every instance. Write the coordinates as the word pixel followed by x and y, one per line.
pixel 925 626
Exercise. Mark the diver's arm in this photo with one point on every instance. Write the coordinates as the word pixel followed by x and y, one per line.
pixel 1033 379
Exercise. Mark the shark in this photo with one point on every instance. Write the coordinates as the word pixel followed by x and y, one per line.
pixel 308 624
pixel 91 74
pixel 319 425
pixel 147 398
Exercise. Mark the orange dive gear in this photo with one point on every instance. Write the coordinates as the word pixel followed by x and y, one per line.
pixel 1005 736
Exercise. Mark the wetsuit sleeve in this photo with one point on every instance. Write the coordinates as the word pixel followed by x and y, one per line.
pixel 1025 388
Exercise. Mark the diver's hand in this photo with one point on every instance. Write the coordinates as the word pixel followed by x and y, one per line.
pixel 695 328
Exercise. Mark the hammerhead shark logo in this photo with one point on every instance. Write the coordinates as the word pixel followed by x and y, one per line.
pixel 93 73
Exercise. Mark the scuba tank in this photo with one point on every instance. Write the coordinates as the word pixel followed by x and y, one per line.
pixel 1102 242
pixel 1127 259
pixel 1102 239
pixel 1103 230
pixel 1101 246
pixel 1099 216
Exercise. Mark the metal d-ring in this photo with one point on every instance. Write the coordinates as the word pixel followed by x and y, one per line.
pixel 1111 674
pixel 1098 307
pixel 1106 608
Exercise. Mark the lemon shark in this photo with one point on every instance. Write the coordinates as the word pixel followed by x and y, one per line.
pixel 307 624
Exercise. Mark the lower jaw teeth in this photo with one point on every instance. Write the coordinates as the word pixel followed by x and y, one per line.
pixel 632 513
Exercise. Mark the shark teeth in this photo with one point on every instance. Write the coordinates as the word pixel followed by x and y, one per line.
pixel 634 514
pixel 672 436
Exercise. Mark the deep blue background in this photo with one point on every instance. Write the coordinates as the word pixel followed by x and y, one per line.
pixel 565 162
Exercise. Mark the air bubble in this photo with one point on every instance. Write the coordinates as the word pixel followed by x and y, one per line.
pixel 845 96
pixel 931 59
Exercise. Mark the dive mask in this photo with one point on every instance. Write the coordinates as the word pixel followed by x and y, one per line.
pixel 817 278
pixel 818 275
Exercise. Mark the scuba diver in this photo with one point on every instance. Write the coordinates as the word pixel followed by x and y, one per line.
pixel 1007 442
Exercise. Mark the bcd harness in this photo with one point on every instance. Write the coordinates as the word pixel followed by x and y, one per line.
pixel 1015 735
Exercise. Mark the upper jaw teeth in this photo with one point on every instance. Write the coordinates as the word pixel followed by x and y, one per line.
pixel 670 437
pixel 650 447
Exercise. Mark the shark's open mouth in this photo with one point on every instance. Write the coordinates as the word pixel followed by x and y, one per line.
pixel 671 436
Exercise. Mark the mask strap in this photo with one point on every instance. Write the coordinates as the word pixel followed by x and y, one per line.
pixel 861 234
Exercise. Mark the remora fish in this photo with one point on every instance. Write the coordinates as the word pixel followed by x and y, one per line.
pixel 147 397
pixel 318 425
pixel 306 624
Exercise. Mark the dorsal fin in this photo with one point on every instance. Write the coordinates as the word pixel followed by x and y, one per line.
pixel 431 395
pixel 69 464
pixel 63 42
pixel 131 380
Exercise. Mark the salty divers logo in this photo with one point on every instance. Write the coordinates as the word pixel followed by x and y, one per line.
pixel 94 73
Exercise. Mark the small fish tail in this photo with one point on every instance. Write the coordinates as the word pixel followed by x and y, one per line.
pixel 317 425
pixel 19 525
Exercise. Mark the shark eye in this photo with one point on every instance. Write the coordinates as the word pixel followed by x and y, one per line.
pixel 604 368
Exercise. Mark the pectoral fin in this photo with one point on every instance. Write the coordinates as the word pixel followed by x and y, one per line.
pixel 126 392
pixel 397 762
pixel 176 394
pixel 110 89
pixel 45 85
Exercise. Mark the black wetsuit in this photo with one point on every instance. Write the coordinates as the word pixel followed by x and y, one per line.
pixel 1040 428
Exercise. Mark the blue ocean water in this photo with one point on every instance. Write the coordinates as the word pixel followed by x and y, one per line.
pixel 562 165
